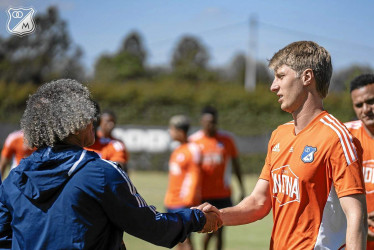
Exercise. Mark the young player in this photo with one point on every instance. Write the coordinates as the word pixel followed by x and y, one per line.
pixel 108 147
pixel 312 178
pixel 184 190
pixel 218 151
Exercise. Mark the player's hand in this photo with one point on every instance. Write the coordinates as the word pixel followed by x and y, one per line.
pixel 213 222
pixel 212 215
pixel 206 207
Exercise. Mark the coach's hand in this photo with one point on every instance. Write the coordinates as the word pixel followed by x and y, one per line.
pixel 212 215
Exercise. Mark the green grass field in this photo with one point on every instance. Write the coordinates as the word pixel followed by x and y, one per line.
pixel 152 186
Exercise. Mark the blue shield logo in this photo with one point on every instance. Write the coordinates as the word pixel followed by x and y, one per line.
pixel 308 154
pixel 21 21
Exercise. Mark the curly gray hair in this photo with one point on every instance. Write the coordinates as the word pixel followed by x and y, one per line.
pixel 57 109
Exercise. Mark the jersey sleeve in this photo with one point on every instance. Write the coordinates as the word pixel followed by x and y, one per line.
pixel 118 152
pixel 129 212
pixel 346 167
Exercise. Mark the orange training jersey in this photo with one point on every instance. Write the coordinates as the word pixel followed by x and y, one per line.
pixel 358 130
pixel 15 148
pixel 216 172
pixel 184 177
pixel 307 174
pixel 110 149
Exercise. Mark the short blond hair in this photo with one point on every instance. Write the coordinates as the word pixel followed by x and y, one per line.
pixel 303 55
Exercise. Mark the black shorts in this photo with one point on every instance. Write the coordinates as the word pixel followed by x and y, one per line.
pixel 220 203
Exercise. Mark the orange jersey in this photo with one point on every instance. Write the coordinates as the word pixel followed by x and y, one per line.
pixel 358 130
pixel 307 174
pixel 216 172
pixel 110 149
pixel 15 148
pixel 184 177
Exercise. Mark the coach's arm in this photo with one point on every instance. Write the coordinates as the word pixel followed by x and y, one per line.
pixel 5 227
pixel 354 207
pixel 254 207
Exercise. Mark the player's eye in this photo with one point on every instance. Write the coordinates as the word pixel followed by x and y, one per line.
pixel 370 102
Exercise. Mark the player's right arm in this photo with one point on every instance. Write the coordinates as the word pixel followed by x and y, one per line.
pixel 5 227
pixel 254 207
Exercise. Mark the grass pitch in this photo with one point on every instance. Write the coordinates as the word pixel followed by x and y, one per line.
pixel 152 186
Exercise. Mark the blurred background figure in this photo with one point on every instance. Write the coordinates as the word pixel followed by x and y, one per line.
pixel 362 94
pixel 184 190
pixel 108 147
pixel 217 148
pixel 13 151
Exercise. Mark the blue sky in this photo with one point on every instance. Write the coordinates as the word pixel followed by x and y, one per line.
pixel 345 28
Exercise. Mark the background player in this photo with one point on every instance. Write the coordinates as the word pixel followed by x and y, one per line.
pixel 362 94
pixel 217 149
pixel 108 147
pixel 184 190
pixel 312 177
pixel 13 151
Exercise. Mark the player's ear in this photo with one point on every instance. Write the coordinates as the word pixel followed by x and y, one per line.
pixel 307 77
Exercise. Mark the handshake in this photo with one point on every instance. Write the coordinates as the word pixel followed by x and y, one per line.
pixel 213 218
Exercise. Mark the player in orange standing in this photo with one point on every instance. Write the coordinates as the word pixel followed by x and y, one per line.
pixel 362 94
pixel 105 144
pixel 217 148
pixel 184 190
pixel 13 151
pixel 312 178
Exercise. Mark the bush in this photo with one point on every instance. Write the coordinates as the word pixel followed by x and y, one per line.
pixel 153 103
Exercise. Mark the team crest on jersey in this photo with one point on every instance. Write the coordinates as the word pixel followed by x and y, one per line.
pixel 308 154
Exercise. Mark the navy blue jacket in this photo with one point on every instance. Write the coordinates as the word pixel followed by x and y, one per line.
pixel 68 198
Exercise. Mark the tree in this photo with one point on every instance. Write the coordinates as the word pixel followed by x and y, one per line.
pixel 127 63
pixel 237 70
pixel 190 59
pixel 341 79
pixel 46 54
pixel 263 74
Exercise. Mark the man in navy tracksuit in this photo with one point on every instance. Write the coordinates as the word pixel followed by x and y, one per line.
pixel 64 197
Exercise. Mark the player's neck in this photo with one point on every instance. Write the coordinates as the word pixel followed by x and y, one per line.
pixel 210 133
pixel 306 114
pixel 369 131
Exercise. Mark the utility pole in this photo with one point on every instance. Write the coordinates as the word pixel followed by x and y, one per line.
pixel 250 70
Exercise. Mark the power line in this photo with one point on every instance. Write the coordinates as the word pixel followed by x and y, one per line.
pixel 204 32
pixel 297 32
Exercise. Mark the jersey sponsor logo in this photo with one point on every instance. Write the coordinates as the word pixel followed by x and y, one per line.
pixel 308 154
pixel 276 148
pixel 175 169
pixel 368 171
pixel 180 157
pixel 212 159
pixel 285 185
